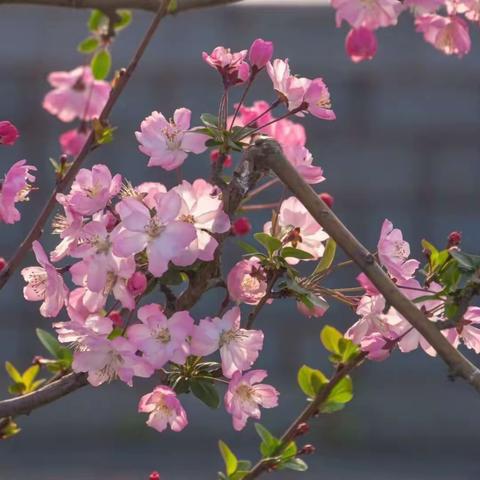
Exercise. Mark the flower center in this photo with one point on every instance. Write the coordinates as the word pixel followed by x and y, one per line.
pixel 163 335
pixel 250 283
pixel 187 218
pixel 154 228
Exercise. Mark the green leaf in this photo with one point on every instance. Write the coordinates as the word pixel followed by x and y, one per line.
pixel 269 442
pixel 250 249
pixel 229 458
pixel 13 373
pixel 348 350
pixel 270 243
pixel 209 120
pixel 328 256
pixel 29 375
pixel 206 392
pixel 17 388
pixel 289 451
pixel 310 380
pixel 296 464
pixel 50 343
pixel 238 475
pixel 101 64
pixel 9 430
pixel 125 18
pixel 426 245
pixel 88 45
pixel 172 6
pixel 244 465
pixel 290 252
pixel 330 338
pixel 96 20
pixel 466 261
pixel 342 393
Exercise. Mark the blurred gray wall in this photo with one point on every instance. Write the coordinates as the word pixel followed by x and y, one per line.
pixel 405 146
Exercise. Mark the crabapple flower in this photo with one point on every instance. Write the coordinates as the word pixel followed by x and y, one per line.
pixel 245 396
pixel 377 346
pixel 448 34
pixel 299 229
pixel 467 329
pixel 72 141
pixel 105 360
pixel 421 7
pixel 137 284
pixel 202 208
pixel 77 331
pixel 393 253
pixel 44 283
pixel 162 236
pixel 317 98
pixel 161 339
pixel 165 409
pixel 371 14
pixel 260 53
pixel 247 281
pixel 8 133
pixel 315 311
pixel 232 66
pixel 15 188
pixel 93 189
pixel 168 143
pixel 76 94
pixel 361 44
pixel 239 348
pixel 301 158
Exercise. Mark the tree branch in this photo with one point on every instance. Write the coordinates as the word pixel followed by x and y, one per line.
pixel 53 391
pixel 271 156
pixel 148 5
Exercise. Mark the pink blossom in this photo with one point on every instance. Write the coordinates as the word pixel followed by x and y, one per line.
pixel 247 281
pixel 137 284
pixel 260 53
pixel 299 229
pixel 290 89
pixel 92 189
pixel 162 236
pixel 287 133
pixel 8 133
pixel 301 158
pixel 239 348
pixel 164 408
pixel 76 94
pixel 81 329
pixel 377 346
pixel 393 252
pixel 44 283
pixel 15 188
pixel 249 115
pixel 361 44
pixel 317 98
pixel 366 283
pixel 168 143
pixel 231 66
pixel 370 14
pixel 161 339
pixel 448 34
pixel 227 160
pixel 421 7
pixel 72 141
pixel 201 207
pixel 245 396
pixel 315 311
pixel 105 360
pixel 468 331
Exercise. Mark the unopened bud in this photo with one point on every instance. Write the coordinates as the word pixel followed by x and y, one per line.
pixel 307 450
pixel 154 476
pixel 137 284
pixel 241 226
pixel 327 198
pixel 215 155
pixel 454 239
pixel 3 262
pixel 116 318
pixel 302 429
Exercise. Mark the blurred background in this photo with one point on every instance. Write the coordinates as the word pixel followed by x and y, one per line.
pixel 405 146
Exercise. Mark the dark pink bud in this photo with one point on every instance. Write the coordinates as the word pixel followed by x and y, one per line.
pixel 454 239
pixel 111 220
pixel 260 53
pixel 307 450
pixel 241 226
pixel 327 198
pixel 361 44
pixel 3 262
pixel 154 476
pixel 137 284
pixel 302 429
pixel 8 133
pixel 227 162
pixel 116 318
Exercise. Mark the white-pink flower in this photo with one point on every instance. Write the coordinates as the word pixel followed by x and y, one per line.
pixel 239 348
pixel 161 339
pixel 76 94
pixel 247 281
pixel 371 14
pixel 301 158
pixel 469 330
pixel 317 100
pixel 14 188
pixel 159 233
pixel 93 189
pixel 44 283
pixel 164 408
pixel 245 396
pixel 168 143
pixel 105 360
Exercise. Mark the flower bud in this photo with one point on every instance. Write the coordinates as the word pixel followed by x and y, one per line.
pixel 137 284
pixel 8 133
pixel 154 476
pixel 116 318
pixel 454 239
pixel 302 429
pixel 307 450
pixel 361 44
pixel 3 262
pixel 327 198
pixel 227 162
pixel 260 53
pixel 241 226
